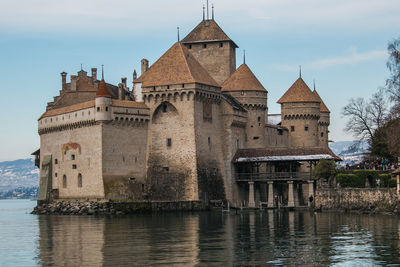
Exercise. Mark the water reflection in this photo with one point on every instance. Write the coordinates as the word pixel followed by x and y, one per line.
pixel 266 238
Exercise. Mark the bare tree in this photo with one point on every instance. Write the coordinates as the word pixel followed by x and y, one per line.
pixel 366 116
pixel 393 83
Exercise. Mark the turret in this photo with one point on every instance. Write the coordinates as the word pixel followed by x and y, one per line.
pixel 103 103
pixel 245 88
pixel 300 114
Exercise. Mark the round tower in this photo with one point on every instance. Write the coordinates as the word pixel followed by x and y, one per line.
pixel 323 123
pixel 103 103
pixel 300 114
pixel 245 88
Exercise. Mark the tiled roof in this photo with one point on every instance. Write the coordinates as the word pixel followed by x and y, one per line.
pixel 207 30
pixel 102 90
pixel 243 79
pixel 177 66
pixel 128 104
pixel 274 154
pixel 323 107
pixel 72 108
pixel 298 92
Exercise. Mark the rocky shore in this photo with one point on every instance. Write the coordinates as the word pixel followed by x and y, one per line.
pixel 70 207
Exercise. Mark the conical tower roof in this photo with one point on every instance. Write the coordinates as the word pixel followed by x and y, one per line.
pixel 298 92
pixel 207 30
pixel 323 107
pixel 176 66
pixel 243 79
pixel 102 90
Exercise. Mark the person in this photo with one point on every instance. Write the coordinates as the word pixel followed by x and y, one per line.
pixel 310 200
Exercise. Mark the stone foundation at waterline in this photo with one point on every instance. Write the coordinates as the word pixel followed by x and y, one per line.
pixel 111 207
pixel 369 200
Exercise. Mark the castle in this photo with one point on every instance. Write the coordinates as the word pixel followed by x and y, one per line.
pixel 193 127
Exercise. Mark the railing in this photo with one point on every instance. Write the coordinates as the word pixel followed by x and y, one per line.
pixel 274 176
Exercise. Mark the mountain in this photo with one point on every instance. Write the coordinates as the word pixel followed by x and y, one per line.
pixel 351 152
pixel 17 174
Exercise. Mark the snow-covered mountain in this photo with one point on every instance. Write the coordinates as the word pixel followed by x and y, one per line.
pixel 18 173
pixel 351 152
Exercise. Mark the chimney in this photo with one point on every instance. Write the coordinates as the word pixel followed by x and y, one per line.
pixel 123 80
pixel 63 79
pixel 121 91
pixel 145 65
pixel 94 74
pixel 73 82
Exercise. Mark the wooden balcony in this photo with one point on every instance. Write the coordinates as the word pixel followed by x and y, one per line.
pixel 273 176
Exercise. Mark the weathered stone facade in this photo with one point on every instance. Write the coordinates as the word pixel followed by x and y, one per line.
pixel 177 134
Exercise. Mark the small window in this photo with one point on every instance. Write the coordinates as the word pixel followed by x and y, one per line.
pixel 55 161
pixel 164 108
pixel 209 142
pixel 204 45
pixel 72 157
pixel 169 142
pixel 183 85
pixel 167 86
pixel 221 44
pixel 79 180
pixel 280 132
pixel 237 143
pixel 106 109
pixel 259 119
pixel 292 128
pixel 166 168
pixel 55 174
pixel 74 166
pixel 242 92
pixel 64 181
pixel 322 134
pixel 256 137
pixel 142 187
pixel 190 46
pixel 98 109
pixel 306 128
pixel 116 118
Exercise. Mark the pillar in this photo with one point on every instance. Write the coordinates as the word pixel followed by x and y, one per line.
pixel 398 183
pixel 270 194
pixel 252 203
pixel 310 188
pixel 291 196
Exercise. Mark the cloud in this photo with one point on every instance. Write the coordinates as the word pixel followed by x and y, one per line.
pixel 138 16
pixel 323 63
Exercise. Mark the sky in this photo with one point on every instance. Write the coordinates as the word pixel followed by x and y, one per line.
pixel 341 44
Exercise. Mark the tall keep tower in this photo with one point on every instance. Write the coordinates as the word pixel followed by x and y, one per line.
pixel 323 123
pixel 246 88
pixel 300 113
pixel 215 51
pixel 184 151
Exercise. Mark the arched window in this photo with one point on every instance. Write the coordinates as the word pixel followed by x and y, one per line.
pixel 79 180
pixel 64 181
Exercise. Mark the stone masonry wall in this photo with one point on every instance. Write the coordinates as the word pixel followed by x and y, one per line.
pixel 358 199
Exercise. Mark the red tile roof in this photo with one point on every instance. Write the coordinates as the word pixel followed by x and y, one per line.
pixel 298 92
pixel 176 66
pixel 72 108
pixel 102 90
pixel 323 107
pixel 207 30
pixel 243 79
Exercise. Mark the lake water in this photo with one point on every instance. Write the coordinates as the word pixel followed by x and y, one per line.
pixel 266 238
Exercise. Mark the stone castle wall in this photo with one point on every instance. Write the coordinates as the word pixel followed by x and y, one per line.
pixel 75 152
pixel 124 159
pixel 358 199
pixel 301 119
